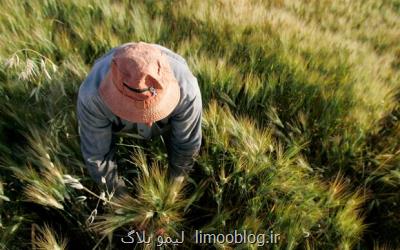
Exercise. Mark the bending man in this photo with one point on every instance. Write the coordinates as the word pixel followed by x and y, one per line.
pixel 145 89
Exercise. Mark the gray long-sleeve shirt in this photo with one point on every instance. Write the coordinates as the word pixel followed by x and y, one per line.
pixel 98 125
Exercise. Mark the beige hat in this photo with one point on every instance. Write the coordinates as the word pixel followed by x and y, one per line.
pixel 140 85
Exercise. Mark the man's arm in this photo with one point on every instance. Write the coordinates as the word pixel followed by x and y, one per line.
pixel 97 142
pixel 185 136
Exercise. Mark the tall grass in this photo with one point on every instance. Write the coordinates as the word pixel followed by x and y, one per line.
pixel 301 131
pixel 48 240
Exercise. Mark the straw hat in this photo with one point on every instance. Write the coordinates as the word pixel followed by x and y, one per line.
pixel 140 85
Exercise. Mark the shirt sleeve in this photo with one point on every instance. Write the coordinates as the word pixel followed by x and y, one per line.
pixel 185 135
pixel 97 142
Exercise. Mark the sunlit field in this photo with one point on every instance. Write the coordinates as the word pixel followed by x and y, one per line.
pixel 301 132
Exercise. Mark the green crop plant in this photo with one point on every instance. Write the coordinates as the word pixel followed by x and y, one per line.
pixel 301 123
pixel 47 239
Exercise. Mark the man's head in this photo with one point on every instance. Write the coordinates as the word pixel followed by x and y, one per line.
pixel 140 86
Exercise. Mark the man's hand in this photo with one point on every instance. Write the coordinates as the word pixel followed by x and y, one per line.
pixel 179 179
pixel 177 176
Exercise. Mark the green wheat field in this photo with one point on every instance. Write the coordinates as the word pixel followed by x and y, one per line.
pixel 301 132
